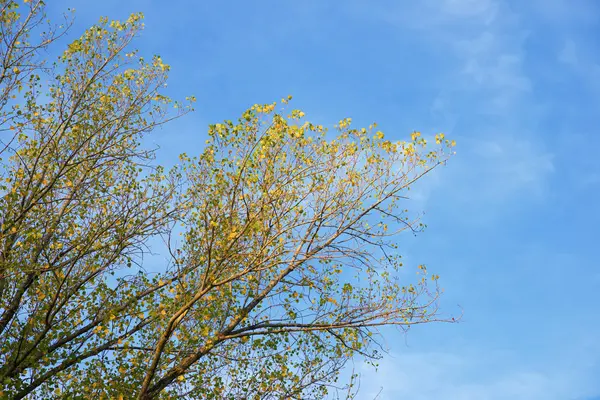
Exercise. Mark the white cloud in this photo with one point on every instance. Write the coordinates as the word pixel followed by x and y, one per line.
pixel 507 166
pixel 500 156
pixel 482 375
pixel 485 38
pixel 493 49
pixel 487 174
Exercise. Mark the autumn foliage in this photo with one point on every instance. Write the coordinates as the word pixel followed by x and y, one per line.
pixel 280 235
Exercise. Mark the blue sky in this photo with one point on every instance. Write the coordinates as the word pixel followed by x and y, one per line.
pixel 513 218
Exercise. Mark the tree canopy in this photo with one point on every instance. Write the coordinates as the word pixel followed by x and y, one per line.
pixel 280 237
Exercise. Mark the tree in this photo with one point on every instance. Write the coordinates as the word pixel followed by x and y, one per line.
pixel 281 263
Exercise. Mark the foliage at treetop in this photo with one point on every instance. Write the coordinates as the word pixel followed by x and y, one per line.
pixel 282 259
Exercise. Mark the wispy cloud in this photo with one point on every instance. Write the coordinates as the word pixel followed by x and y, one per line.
pixel 486 102
pixel 503 167
pixel 481 375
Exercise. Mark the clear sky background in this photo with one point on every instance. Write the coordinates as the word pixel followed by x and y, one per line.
pixel 514 216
